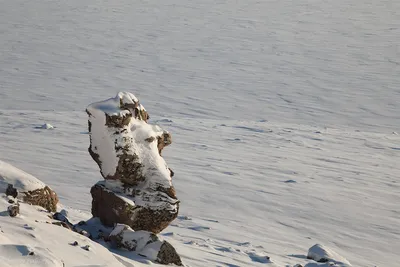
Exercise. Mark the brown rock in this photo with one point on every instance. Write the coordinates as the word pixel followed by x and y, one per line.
pixel 168 255
pixel 129 169
pixel 112 209
pixel 164 140
pixel 44 197
pixel 117 121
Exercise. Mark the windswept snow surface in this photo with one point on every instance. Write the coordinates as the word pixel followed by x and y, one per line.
pixel 21 180
pixel 284 116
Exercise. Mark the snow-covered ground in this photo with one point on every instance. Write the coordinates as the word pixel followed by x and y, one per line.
pixel 285 116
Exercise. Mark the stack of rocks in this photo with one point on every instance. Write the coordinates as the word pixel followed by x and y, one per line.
pixel 137 188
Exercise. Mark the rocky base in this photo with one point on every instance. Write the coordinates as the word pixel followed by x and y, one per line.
pixel 114 208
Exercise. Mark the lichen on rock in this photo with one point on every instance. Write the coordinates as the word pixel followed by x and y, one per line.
pixel 44 197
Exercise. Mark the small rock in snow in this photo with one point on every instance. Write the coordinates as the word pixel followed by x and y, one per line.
pixel 185 218
pixel 321 253
pixel 167 255
pixel 75 243
pixel 45 126
pixel 290 181
pixel 258 258
pixel 27 227
pixel 87 247
pixel 31 253
pixel 63 224
pixel 11 191
pixel 13 210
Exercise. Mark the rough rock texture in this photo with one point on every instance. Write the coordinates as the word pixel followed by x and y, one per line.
pixel 144 243
pixel 13 210
pixel 168 255
pixel 44 197
pixel 111 208
pixel 164 140
pixel 137 190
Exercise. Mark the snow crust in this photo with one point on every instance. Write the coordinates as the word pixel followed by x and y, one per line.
pixel 21 180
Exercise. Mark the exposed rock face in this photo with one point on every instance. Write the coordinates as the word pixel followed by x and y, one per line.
pixel 167 255
pixel 137 190
pixel 112 207
pixel 27 188
pixel 13 210
pixel 164 140
pixel 44 197
pixel 146 244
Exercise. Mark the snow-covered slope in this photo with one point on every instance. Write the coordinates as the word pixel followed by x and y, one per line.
pixel 30 239
pixel 284 116
pixel 21 180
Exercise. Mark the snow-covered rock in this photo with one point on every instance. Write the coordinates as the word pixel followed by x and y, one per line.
pixel 26 187
pixel 145 243
pixel 138 189
pixel 321 253
pixel 46 126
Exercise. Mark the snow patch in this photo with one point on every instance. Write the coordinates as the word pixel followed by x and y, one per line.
pixel 21 180
pixel 321 253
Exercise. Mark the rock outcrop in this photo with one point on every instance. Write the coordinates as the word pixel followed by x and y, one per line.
pixel 112 207
pixel 27 188
pixel 137 190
